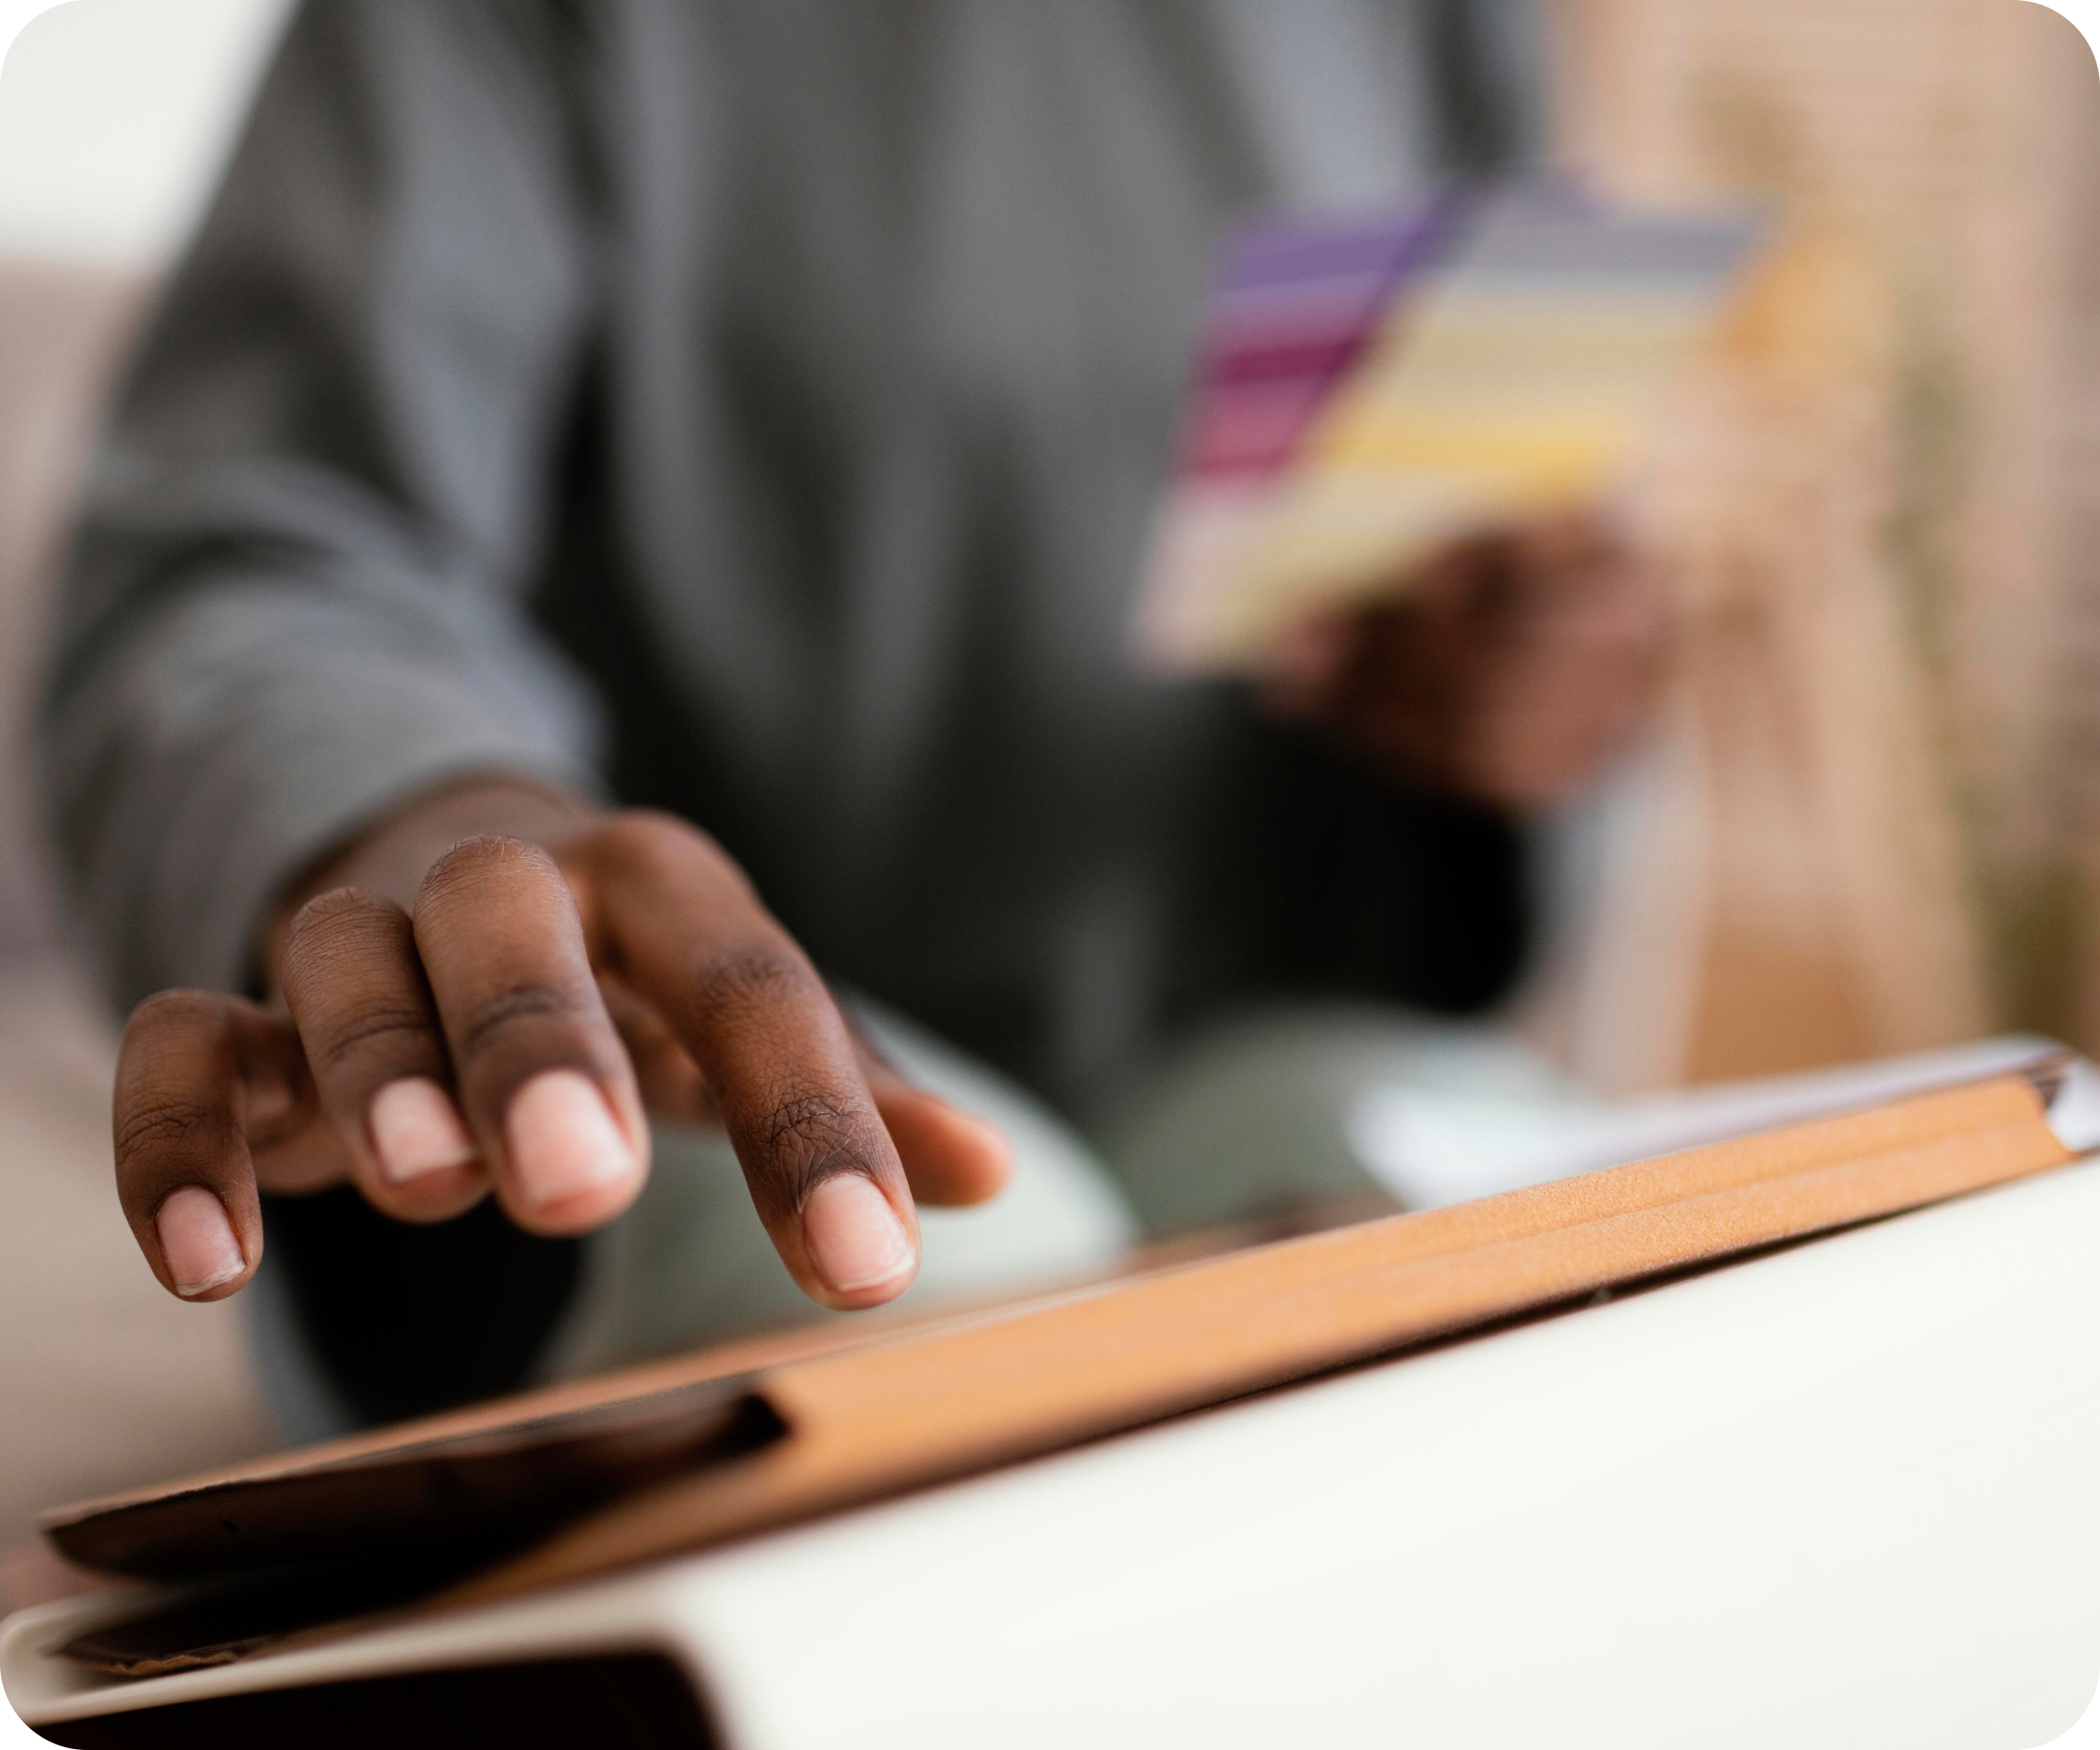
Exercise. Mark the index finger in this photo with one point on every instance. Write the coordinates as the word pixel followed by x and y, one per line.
pixel 669 912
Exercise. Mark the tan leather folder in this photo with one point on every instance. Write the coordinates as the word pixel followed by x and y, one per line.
pixel 586 1478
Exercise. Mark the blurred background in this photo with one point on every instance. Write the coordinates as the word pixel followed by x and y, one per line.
pixel 115 117
pixel 1873 825
pixel 1869 821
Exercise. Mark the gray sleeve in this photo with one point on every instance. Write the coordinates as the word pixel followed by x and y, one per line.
pixel 295 596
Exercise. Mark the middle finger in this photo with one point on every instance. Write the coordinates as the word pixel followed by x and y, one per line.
pixel 545 1084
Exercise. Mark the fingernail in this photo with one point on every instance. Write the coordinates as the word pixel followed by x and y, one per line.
pixel 197 1240
pixel 854 1237
pixel 416 1130
pixel 563 1139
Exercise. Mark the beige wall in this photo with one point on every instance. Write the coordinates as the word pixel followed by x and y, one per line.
pixel 61 327
pixel 1881 499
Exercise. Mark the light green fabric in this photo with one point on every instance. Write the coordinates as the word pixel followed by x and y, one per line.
pixel 1251 1119
pixel 691 1261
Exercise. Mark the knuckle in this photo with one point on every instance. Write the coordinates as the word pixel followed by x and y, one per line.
pixel 808 1136
pixel 648 844
pixel 326 912
pixel 184 1011
pixel 489 857
pixel 163 1124
pixel 640 840
pixel 385 1030
pixel 503 1010
pixel 741 982
pixel 627 845
pixel 643 832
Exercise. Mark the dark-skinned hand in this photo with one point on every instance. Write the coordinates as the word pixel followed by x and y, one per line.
pixel 1508 671
pixel 480 997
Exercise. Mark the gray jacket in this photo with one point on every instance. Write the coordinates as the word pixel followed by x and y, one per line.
pixel 756 408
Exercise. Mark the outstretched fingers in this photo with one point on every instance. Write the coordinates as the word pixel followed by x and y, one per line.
pixel 430 1056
